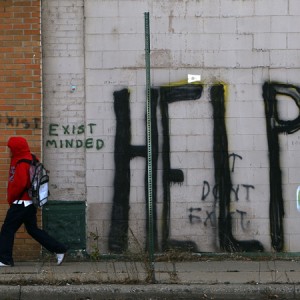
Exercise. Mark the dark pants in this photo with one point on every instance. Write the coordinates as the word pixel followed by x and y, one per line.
pixel 16 215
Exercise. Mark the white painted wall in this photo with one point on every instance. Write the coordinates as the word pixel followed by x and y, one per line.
pixel 98 45
pixel 63 66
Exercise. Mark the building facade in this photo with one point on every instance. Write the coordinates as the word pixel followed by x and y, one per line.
pixel 225 148
pixel 224 123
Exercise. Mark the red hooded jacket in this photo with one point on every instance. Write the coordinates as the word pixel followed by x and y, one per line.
pixel 19 179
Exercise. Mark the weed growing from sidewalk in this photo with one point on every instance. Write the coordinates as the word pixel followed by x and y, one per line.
pixel 144 257
pixel 95 252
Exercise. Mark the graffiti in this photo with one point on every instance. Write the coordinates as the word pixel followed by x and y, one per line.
pixel 124 152
pixel 223 178
pixel 170 95
pixel 70 129
pixel 210 216
pixel 242 214
pixel 248 187
pixel 119 220
pixel 89 143
pixel 67 130
pixel 276 126
pixel 192 217
pixel 234 156
pixel 236 191
pixel 224 192
pixel 33 123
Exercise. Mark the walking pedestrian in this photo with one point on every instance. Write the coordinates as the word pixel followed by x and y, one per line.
pixel 21 209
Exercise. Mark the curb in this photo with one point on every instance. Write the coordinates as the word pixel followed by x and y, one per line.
pixel 153 291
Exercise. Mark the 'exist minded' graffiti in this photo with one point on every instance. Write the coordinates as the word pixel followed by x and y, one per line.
pixel 223 188
pixel 70 131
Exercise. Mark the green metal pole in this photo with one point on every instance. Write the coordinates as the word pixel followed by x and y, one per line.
pixel 149 145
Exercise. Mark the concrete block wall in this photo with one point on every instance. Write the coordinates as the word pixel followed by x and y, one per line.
pixel 99 45
pixel 64 97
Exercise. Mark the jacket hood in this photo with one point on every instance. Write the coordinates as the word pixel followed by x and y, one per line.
pixel 18 146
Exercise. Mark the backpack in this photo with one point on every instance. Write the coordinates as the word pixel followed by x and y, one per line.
pixel 39 181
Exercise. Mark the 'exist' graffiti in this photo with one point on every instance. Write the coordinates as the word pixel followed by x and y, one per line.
pixel 25 123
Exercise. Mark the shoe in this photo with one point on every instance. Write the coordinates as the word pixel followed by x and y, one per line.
pixel 60 257
pixel 4 265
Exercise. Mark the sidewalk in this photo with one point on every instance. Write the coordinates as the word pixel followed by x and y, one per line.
pixel 226 279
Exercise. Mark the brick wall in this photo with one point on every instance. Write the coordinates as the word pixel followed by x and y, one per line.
pixel 20 94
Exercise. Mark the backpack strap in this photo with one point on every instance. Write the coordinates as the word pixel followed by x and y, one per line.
pixel 24 160
pixel 28 161
pixel 34 160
